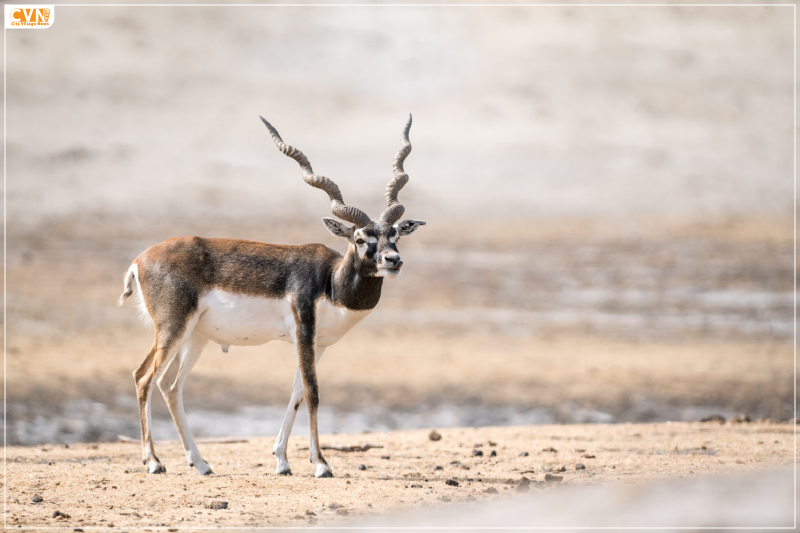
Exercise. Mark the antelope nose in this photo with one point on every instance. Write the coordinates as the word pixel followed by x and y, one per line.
pixel 391 259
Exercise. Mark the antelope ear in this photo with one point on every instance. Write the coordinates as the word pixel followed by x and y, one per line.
pixel 407 227
pixel 337 228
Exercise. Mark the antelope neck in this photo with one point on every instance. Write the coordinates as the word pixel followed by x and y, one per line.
pixel 350 289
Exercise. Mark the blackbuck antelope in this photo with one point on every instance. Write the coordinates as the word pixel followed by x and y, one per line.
pixel 248 293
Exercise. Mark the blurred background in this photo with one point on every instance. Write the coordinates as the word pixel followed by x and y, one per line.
pixel 608 190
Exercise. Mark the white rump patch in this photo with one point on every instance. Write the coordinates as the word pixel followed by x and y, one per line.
pixel 141 307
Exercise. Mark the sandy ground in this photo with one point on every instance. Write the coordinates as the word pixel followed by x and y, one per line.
pixel 104 484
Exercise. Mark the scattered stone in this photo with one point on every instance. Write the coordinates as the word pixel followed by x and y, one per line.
pixel 309 512
pixel 439 468
pixel 493 454
pixel 549 449
pixel 713 418
pixel 435 435
pixel 477 453
pixel 478 445
pixel 452 482
pixel 215 504
pixel 492 443
pixel 491 490
pixel 552 477
pixel 386 457
pixel 580 450
pixel 362 467
pixel 524 454
pixel 37 498
pixel 740 419
pixel 561 468
pixel 588 456
pixel 334 506
pixel 60 516
pixel 415 486
pixel 580 466
pixel 77 529
pixel 524 485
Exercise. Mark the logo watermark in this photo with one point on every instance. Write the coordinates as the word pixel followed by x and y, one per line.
pixel 29 16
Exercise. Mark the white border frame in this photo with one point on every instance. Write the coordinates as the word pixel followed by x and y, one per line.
pixel 5 226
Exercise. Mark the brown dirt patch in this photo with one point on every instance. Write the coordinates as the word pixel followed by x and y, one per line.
pixel 104 484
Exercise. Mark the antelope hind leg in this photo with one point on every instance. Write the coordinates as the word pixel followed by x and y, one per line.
pixel 171 385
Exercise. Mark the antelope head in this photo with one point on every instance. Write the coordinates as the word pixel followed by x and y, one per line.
pixel 373 242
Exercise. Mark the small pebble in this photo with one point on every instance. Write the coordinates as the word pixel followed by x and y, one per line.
pixel 580 466
pixel 452 482
pixel 588 456
pixel 477 453
pixel 491 490
pixel 524 454
pixel 385 457
pixel 216 504
pixel 524 485
pixel 493 454
pixel 492 443
pixel 561 468
pixel 362 467
pixel 552 477
pixel 549 449
pixel 36 499
pixel 439 468
pixel 435 435
pixel 713 418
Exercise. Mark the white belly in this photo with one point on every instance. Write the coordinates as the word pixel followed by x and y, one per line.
pixel 234 319
pixel 333 322
pixel 228 318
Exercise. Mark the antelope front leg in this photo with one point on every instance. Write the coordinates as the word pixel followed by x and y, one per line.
pixel 305 345
pixel 279 450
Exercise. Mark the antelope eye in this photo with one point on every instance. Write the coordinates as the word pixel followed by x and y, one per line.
pixel 359 241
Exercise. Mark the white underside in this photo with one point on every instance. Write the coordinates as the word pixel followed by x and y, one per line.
pixel 231 319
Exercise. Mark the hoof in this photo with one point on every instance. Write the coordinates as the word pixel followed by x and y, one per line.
pixel 326 474
pixel 158 469
pixel 208 473
pixel 285 473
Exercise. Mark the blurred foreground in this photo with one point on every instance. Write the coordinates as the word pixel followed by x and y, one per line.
pixel 631 475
